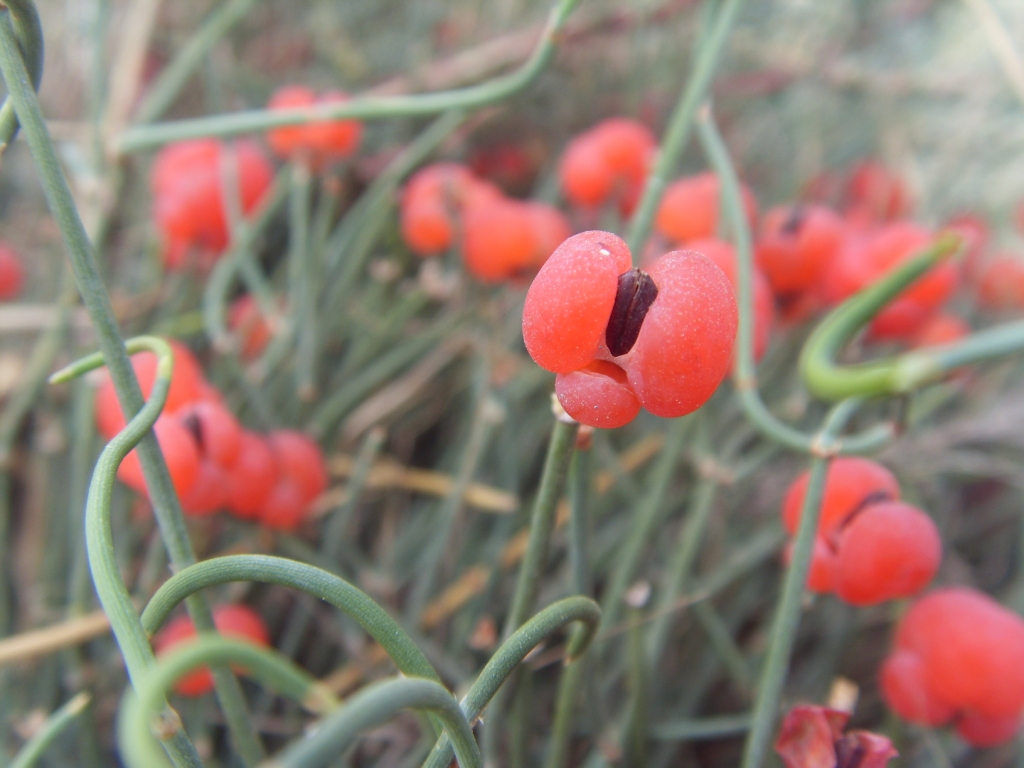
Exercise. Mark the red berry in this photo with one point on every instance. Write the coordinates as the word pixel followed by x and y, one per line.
pixel 569 302
pixel 975 232
pixel 12 273
pixel 187 182
pixel 796 245
pixel 867 260
pixel 208 493
pixel 724 257
pixel 940 329
pixel 432 203
pixel 216 431
pixel 179 450
pixel 251 478
pixel 301 461
pixel 317 143
pixel 498 239
pixel 876 194
pixel 685 345
pixel 598 395
pixel 246 320
pixel 610 161
pixel 285 507
pixel 186 387
pixel 887 551
pixel 958 655
pixel 689 209
pixel 1001 283
pixel 231 620
pixel 850 484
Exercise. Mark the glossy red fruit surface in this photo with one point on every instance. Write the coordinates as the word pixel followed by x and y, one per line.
pixel 316 143
pixel 499 240
pixel 251 478
pixel 12 273
pixel 685 344
pixel 689 210
pixel 598 395
pixel 217 433
pixel 300 460
pixel 231 620
pixel 285 506
pixel 874 193
pixel 796 245
pixel 607 164
pixel 887 551
pixel 208 493
pixel 569 302
pixel 179 450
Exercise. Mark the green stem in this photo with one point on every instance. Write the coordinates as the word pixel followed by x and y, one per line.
pixel 645 521
pixel 364 108
pixel 55 724
pixel 674 141
pixel 29 34
pixel 542 521
pixel 787 614
pixel 145 713
pixel 166 507
pixel 697 730
pixel 306 578
pixel 172 78
pixel 744 366
pixel 512 652
pixel 302 278
pixel 374 706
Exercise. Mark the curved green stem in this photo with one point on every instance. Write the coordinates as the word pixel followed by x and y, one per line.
pixel 787 615
pixel 674 141
pixel 146 712
pixel 511 653
pixel 51 729
pixel 29 33
pixel 307 578
pixel 744 366
pixel 363 107
pixel 900 373
pixel 373 706
pixel 166 507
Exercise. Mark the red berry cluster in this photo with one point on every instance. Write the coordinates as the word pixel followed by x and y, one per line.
pixel 12 273
pixel 214 462
pixel 500 238
pixel 231 620
pixel 959 658
pixel 608 164
pixel 870 547
pixel 317 144
pixel 188 182
pixel 621 338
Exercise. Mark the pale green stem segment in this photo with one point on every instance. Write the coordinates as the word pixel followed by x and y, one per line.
pixel 512 652
pixel 306 578
pixel 55 724
pixel 29 34
pixel 744 366
pixel 787 614
pixel 144 713
pixel 374 706
pixel 166 507
pixel 901 373
pixel 364 108
pixel 674 141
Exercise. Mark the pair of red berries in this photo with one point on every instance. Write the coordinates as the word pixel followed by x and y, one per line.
pixel 690 209
pixel 869 547
pixel 231 620
pixel 958 658
pixel 500 238
pixel 214 462
pixel 319 143
pixel 608 164
pixel 621 338
pixel 188 182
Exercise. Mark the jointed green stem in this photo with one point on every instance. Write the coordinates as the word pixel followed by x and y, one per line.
pixel 673 143
pixel 515 649
pixel 365 108
pixel 787 614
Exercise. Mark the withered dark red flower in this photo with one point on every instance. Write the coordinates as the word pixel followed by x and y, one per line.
pixel 812 737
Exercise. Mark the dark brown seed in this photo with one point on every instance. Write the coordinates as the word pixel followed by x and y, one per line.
pixel 634 297
pixel 192 424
